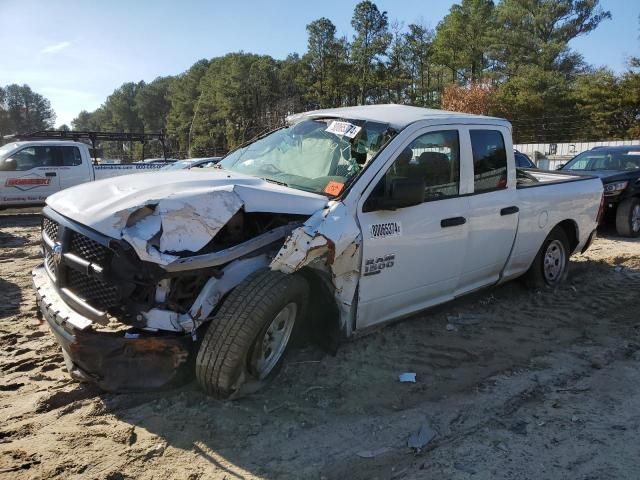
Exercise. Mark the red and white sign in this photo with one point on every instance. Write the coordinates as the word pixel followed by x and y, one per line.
pixel 27 182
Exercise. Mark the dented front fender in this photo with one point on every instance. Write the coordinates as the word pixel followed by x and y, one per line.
pixel 330 240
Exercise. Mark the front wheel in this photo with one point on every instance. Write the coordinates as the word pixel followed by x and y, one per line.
pixel 628 218
pixel 549 268
pixel 246 340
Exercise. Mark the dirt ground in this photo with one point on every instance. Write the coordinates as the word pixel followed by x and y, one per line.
pixel 536 385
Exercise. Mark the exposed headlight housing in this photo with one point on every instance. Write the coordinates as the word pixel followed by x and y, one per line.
pixel 615 188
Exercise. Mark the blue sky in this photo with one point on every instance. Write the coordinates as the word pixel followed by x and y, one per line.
pixel 77 52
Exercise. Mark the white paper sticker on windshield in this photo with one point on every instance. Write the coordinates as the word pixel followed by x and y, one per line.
pixel 344 129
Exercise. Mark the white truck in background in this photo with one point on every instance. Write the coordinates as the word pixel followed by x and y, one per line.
pixel 31 171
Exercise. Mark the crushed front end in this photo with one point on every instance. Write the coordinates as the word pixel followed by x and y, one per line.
pixel 86 280
pixel 128 324
pixel 132 277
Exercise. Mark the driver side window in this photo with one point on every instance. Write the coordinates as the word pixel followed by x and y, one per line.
pixel 33 157
pixel 433 157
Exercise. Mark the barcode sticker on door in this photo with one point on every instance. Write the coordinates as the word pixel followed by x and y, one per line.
pixel 384 230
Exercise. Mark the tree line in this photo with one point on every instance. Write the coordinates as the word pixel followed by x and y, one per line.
pixel 509 58
pixel 22 110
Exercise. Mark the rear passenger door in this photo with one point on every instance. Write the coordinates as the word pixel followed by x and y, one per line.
pixel 72 169
pixel 493 210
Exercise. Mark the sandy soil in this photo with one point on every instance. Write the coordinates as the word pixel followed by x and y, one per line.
pixel 540 385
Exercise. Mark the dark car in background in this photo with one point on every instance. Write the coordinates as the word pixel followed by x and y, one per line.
pixel 619 170
pixel 523 160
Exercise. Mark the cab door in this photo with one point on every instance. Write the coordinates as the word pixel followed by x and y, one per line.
pixel 74 170
pixel 493 208
pixel 412 256
pixel 32 178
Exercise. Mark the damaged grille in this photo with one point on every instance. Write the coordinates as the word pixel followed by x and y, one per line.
pixel 86 283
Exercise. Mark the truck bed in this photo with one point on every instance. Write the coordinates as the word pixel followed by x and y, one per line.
pixel 565 198
pixel 529 177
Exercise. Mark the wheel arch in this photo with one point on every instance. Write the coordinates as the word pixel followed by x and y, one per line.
pixel 571 230
pixel 323 321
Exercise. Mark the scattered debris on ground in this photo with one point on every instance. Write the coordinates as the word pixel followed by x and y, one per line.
pixel 407 377
pixel 418 440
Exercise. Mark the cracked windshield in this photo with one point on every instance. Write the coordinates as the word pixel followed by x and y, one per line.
pixel 319 156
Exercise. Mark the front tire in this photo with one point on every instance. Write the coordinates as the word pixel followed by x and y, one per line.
pixel 549 268
pixel 246 340
pixel 628 218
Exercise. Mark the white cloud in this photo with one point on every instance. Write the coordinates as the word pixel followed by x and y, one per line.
pixel 56 47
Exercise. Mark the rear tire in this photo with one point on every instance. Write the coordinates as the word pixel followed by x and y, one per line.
pixel 628 218
pixel 549 268
pixel 245 343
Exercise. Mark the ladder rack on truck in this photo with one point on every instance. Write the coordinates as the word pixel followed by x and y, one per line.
pixel 93 137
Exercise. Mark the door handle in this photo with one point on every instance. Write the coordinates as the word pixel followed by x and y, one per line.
pixel 50 174
pixel 452 222
pixel 509 210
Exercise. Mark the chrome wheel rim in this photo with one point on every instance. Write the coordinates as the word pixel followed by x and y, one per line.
pixel 635 218
pixel 271 346
pixel 554 261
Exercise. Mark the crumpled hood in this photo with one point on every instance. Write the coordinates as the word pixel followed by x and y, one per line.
pixel 189 207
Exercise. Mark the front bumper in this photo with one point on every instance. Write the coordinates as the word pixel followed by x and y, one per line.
pixel 134 360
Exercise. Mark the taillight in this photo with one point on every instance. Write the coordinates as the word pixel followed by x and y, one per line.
pixel 600 210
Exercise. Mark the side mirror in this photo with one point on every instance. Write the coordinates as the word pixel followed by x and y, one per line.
pixel 559 167
pixel 8 164
pixel 403 192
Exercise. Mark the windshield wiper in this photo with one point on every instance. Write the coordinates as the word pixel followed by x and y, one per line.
pixel 277 182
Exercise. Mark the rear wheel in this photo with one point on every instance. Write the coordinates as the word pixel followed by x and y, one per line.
pixel 628 217
pixel 246 341
pixel 549 268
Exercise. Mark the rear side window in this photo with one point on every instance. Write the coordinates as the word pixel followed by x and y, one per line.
pixel 69 156
pixel 489 160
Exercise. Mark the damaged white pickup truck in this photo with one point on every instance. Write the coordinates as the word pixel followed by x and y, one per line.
pixel 341 221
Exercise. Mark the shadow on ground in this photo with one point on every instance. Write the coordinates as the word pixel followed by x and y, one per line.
pixel 9 240
pixel 10 298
